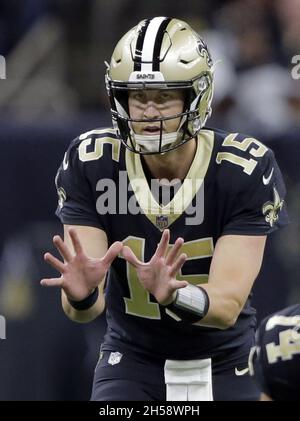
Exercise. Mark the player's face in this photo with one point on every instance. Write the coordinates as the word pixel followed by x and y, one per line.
pixel 151 104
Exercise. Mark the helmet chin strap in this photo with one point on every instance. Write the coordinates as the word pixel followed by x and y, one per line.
pixel 151 143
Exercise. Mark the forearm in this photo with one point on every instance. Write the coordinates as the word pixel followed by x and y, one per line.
pixel 84 316
pixel 223 310
pixel 234 268
pixel 204 305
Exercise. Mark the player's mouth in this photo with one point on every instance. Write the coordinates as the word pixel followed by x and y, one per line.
pixel 150 130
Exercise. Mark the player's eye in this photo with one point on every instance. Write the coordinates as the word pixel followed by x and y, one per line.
pixel 138 96
pixel 164 96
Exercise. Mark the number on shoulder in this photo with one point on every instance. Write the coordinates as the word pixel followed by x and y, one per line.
pixel 91 145
pixel 255 148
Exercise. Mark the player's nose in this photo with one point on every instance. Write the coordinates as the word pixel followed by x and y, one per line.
pixel 151 110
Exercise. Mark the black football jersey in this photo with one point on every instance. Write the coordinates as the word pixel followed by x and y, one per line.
pixel 234 186
pixel 275 360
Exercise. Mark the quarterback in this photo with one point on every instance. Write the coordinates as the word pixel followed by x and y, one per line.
pixel 174 268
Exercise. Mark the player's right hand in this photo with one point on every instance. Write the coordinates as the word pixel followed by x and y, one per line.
pixel 80 274
pixel 158 276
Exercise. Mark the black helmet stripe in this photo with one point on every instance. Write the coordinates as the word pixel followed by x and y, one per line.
pixel 148 45
pixel 157 44
pixel 139 46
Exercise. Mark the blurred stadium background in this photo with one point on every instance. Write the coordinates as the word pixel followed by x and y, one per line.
pixel 54 90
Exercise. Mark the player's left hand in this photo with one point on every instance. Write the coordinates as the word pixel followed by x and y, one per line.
pixel 158 276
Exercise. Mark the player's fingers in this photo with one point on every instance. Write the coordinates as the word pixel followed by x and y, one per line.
pixel 174 251
pixel 178 264
pixel 75 240
pixel 175 284
pixel 112 253
pixel 62 248
pixel 130 257
pixel 163 244
pixel 52 282
pixel 54 262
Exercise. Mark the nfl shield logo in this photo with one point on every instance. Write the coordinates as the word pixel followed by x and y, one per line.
pixel 114 358
pixel 162 222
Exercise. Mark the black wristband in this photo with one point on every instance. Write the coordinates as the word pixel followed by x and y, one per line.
pixel 191 304
pixel 87 302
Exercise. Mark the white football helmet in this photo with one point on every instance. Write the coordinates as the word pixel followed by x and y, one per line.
pixel 160 53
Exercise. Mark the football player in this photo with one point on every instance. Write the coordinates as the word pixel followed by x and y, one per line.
pixel 165 223
pixel 275 359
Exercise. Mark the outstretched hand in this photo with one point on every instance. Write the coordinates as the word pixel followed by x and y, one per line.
pixel 80 274
pixel 158 276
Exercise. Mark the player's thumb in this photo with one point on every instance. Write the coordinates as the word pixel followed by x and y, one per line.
pixel 112 253
pixel 130 257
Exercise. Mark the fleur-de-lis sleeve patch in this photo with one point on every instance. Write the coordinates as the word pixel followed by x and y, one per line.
pixel 271 209
pixel 61 197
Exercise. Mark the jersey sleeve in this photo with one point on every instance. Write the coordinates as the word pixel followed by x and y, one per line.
pixel 258 205
pixel 76 204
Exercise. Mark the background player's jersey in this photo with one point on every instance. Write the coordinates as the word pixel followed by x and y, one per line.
pixel 234 186
pixel 275 361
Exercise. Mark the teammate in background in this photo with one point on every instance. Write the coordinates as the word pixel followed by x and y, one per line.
pixel 165 223
pixel 275 359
